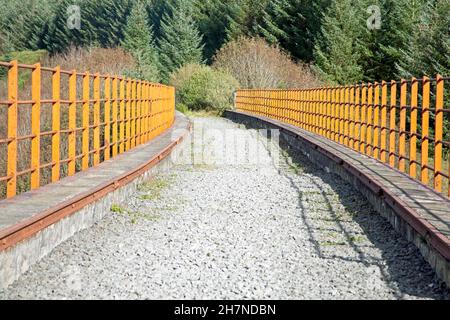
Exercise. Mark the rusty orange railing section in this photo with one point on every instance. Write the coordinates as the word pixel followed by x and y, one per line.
pixel 74 121
pixel 404 124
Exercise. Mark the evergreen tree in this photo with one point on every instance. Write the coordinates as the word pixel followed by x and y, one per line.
pixel 305 22
pixel 339 49
pixel 274 22
pixel 293 24
pixel 244 17
pixel 138 40
pixel 180 42
pixel 399 20
pixel 102 23
pixel 429 51
pixel 213 22
pixel 110 18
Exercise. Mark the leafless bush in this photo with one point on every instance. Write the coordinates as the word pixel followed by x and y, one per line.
pixel 256 64
pixel 105 61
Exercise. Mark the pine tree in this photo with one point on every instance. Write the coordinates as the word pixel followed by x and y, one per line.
pixel 60 37
pixel 399 20
pixel 244 17
pixel 180 42
pixel 213 22
pixel 102 23
pixel 138 40
pixel 110 18
pixel 305 22
pixel 429 50
pixel 293 24
pixel 339 50
pixel 274 22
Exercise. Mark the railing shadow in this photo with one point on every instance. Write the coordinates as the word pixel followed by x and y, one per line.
pixel 399 258
pixel 400 263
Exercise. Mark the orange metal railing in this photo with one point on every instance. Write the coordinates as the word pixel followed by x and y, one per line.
pixel 404 124
pixel 95 118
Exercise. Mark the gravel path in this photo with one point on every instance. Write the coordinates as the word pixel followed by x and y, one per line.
pixel 217 229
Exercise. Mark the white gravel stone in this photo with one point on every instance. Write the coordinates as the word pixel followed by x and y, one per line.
pixel 262 229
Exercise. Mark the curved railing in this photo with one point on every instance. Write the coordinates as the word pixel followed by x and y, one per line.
pixel 404 124
pixel 78 121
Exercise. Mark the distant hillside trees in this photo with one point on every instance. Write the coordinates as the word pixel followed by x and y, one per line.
pixel 180 42
pixel 411 36
pixel 139 41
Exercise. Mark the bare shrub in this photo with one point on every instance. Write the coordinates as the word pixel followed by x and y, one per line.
pixel 105 61
pixel 256 64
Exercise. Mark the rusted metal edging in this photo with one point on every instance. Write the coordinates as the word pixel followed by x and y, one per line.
pixel 424 228
pixel 14 234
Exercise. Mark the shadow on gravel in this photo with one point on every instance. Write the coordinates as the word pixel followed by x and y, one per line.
pixel 401 261
pixel 402 266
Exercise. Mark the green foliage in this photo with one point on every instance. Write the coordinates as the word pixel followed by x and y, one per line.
pixel 273 21
pixel 339 49
pixel 138 40
pixel 413 39
pixel 201 87
pixel 180 41
pixel 102 24
pixel 385 47
pixel 25 57
pixel 428 52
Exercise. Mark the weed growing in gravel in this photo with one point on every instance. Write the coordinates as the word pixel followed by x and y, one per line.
pixel 117 209
pixel 152 188
pixel 356 239
pixel 135 216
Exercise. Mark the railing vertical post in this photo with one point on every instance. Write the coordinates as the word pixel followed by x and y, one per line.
pixel 376 121
pixel 13 74
pixel 72 138
pixel 85 137
pixel 402 128
pixel 346 116
pixel 96 119
pixel 425 129
pixel 297 107
pixel 362 144
pixel 133 114
pixel 315 112
pixel 128 117
pixel 122 116
pixel 144 112
pixel 56 124
pixel 413 136
pixel 138 112
pixel 392 124
pixel 357 118
pixel 438 133
pixel 335 114
pixel 383 120
pixel 352 117
pixel 272 103
pixel 149 108
pixel 328 108
pixel 36 126
pixel 152 108
pixel 323 112
pixel 311 110
pixel 115 119
pixel 369 118
pixel 107 130
pixel 341 114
